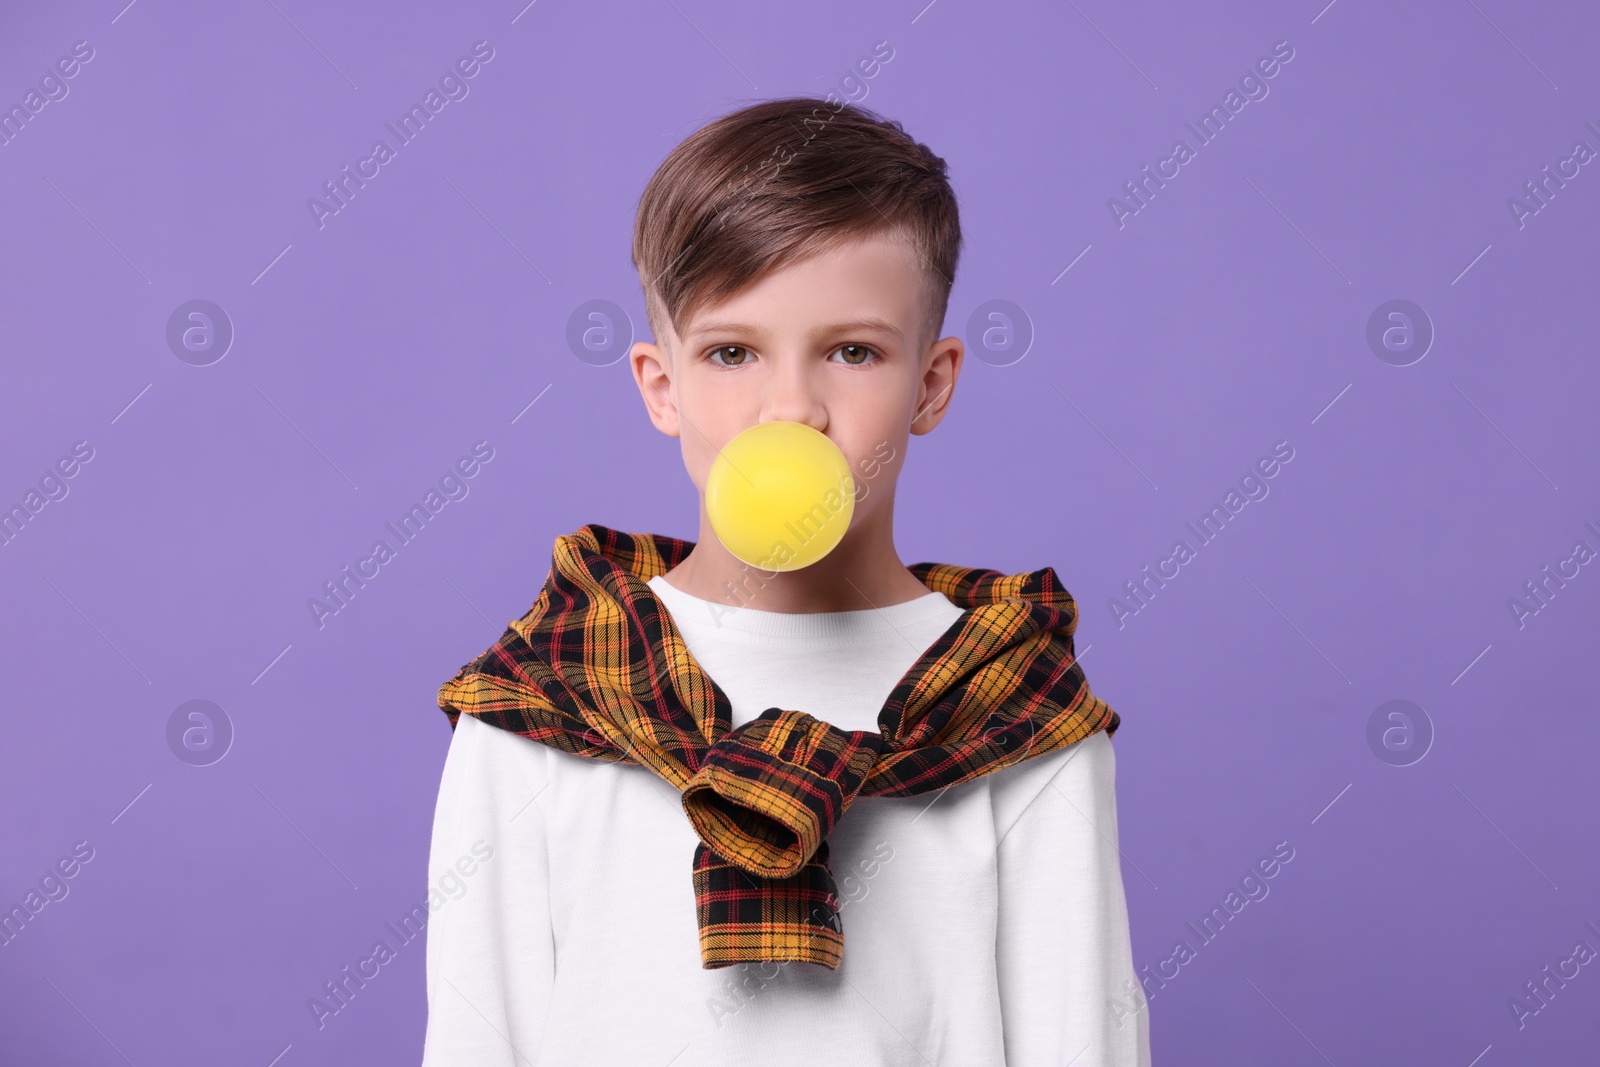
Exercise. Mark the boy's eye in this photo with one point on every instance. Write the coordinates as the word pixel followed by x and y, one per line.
pixel 857 355
pixel 736 362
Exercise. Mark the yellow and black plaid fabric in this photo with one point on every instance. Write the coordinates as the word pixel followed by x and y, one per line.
pixel 597 668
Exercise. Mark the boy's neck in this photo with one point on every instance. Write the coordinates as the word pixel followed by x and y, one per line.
pixel 862 572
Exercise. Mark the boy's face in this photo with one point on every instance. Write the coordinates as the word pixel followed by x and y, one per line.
pixel 834 342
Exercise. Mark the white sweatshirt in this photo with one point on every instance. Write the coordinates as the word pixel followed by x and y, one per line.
pixel 984 925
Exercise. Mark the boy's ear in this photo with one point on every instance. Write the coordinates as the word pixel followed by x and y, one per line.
pixel 652 371
pixel 942 365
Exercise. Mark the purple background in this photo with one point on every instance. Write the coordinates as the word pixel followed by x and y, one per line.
pixel 1228 314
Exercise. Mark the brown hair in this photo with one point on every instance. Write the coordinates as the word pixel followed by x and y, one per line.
pixel 781 180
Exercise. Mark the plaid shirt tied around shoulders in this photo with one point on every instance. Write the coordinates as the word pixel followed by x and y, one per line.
pixel 597 668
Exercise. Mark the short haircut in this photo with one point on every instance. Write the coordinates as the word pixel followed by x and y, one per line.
pixel 777 182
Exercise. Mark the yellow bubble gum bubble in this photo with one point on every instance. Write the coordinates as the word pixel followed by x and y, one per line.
pixel 779 496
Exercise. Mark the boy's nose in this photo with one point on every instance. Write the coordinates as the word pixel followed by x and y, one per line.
pixel 793 400
pixel 813 416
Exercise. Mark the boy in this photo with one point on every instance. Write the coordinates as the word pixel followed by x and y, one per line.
pixel 674 876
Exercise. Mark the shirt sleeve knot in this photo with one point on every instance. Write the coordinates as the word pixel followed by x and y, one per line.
pixel 769 792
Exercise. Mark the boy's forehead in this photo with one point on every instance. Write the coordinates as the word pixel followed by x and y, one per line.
pixel 815 324
pixel 873 283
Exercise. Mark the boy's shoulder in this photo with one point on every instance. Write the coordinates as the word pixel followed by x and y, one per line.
pixel 1085 768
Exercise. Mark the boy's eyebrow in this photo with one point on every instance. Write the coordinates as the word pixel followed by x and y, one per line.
pixel 867 323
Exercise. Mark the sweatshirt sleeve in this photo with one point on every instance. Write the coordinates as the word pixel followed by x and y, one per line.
pixel 1068 991
pixel 490 950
